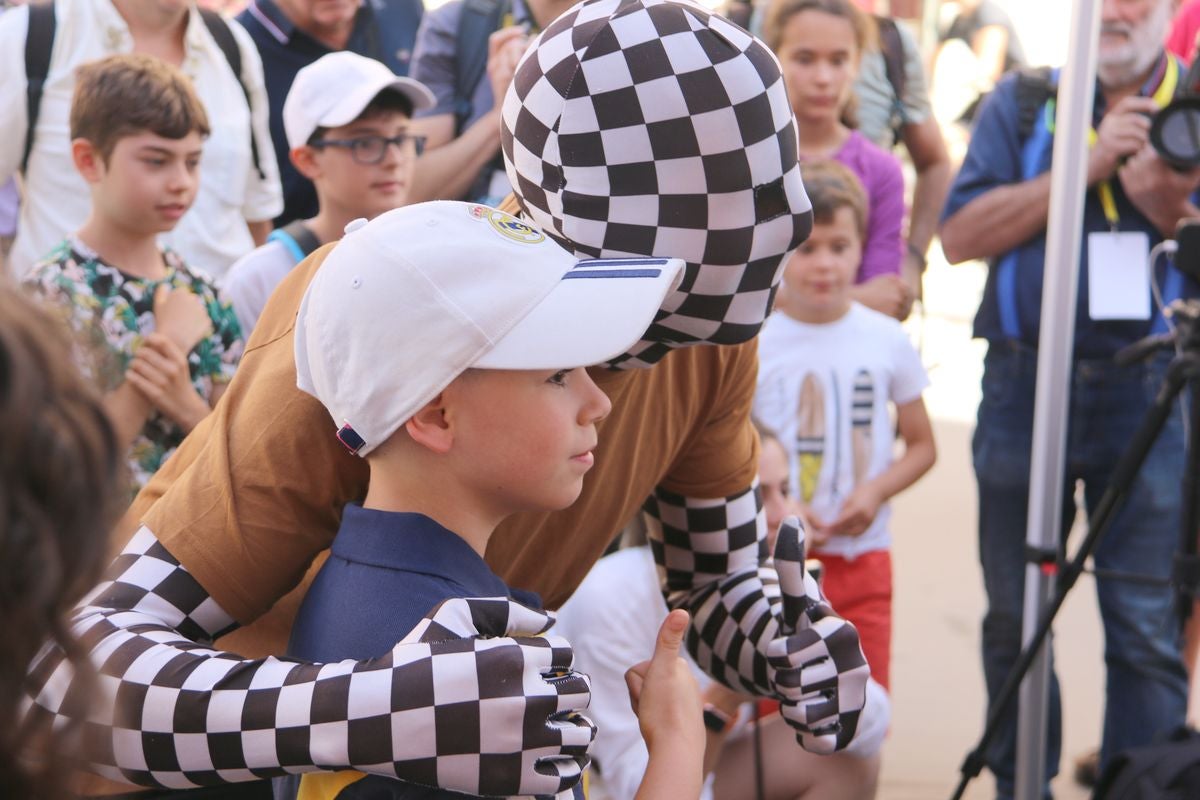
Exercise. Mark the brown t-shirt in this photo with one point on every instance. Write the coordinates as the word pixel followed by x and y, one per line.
pixel 255 493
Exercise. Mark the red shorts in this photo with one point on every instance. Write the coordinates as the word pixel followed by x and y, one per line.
pixel 861 591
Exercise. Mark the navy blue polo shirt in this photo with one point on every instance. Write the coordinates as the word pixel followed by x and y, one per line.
pixel 386 570
pixel 1014 291
pixel 385 30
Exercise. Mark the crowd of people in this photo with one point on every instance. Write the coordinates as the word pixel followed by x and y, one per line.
pixel 358 332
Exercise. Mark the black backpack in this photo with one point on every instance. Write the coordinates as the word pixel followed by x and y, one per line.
pixel 1168 770
pixel 39 42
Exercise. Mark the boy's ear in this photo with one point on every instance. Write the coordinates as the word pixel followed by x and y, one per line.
pixel 430 428
pixel 304 159
pixel 87 160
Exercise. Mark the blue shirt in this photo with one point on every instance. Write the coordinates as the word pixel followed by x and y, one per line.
pixel 994 158
pixel 386 570
pixel 385 30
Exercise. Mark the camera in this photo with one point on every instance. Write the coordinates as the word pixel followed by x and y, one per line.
pixel 1175 130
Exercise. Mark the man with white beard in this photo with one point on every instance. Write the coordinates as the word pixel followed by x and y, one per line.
pixel 997 210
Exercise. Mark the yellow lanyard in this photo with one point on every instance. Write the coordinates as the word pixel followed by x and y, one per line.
pixel 1162 96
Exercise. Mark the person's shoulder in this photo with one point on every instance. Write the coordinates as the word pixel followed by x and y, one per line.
pixel 873 155
pixel 270 257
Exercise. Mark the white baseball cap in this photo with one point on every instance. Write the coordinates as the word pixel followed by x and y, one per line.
pixel 407 302
pixel 333 90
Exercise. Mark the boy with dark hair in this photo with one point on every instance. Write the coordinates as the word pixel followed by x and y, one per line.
pixel 151 330
pixel 830 369
pixel 447 342
pixel 342 116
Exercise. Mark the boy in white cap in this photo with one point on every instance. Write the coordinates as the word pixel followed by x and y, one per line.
pixel 447 341
pixel 342 116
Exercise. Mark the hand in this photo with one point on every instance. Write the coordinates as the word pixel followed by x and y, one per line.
pixel 820 672
pixel 887 294
pixel 505 49
pixel 1124 131
pixel 857 513
pixel 522 677
pixel 160 372
pixel 181 316
pixel 1158 191
pixel 664 693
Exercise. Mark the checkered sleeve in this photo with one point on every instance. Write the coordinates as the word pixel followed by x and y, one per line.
pixel 747 631
pixel 449 706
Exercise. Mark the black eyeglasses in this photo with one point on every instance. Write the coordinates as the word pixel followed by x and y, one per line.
pixel 372 149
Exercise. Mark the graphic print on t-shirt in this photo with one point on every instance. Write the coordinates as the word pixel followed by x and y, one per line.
pixel 862 410
pixel 810 434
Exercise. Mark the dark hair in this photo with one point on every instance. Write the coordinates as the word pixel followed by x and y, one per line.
pixel 387 101
pixel 831 185
pixel 123 95
pixel 62 475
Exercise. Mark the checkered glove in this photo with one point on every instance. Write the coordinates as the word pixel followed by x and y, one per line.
pixel 820 672
pixel 710 555
pixel 485 716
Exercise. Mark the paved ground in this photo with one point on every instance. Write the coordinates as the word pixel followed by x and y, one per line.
pixel 938 591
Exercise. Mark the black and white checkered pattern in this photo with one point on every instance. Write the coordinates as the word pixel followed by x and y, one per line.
pixel 755 628
pixel 656 128
pixel 437 710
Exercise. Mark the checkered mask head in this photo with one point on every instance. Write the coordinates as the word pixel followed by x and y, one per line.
pixel 656 128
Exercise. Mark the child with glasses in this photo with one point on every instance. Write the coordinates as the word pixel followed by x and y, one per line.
pixel 347 123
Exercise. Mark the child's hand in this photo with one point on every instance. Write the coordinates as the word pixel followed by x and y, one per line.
pixel 664 694
pixel 159 371
pixel 858 512
pixel 815 528
pixel 181 316
pixel 887 294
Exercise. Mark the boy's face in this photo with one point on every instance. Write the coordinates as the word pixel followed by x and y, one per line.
pixel 347 187
pixel 147 183
pixel 820 273
pixel 524 438
pixel 773 483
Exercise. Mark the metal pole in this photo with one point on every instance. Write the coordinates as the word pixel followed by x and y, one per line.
pixel 1068 185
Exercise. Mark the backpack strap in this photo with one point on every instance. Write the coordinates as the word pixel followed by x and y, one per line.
pixel 297 237
pixel 893 54
pixel 480 18
pixel 39 41
pixel 1035 87
pixel 223 36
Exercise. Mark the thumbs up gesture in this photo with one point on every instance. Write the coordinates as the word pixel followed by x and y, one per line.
pixel 820 672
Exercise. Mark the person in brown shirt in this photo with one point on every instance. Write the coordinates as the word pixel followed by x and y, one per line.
pixel 252 498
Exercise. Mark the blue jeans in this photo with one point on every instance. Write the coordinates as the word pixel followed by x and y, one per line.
pixel 1147 683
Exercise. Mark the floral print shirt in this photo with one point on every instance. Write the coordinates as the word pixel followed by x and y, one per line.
pixel 110 312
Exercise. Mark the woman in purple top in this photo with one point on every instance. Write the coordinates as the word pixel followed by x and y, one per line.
pixel 818 43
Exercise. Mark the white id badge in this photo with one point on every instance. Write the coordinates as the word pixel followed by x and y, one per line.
pixel 1118 275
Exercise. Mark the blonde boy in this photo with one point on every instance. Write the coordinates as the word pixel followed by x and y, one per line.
pixel 448 343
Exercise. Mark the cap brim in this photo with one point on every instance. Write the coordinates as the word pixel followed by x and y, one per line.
pixel 598 311
pixel 351 106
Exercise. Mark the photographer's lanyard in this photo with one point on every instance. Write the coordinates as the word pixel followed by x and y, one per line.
pixel 1162 95
pixel 1033 150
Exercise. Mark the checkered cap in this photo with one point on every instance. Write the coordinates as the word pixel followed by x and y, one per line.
pixel 654 127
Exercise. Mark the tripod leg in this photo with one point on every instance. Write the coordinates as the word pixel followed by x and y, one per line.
pixel 1123 475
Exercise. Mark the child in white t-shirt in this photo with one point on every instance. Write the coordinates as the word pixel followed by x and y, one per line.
pixel 830 370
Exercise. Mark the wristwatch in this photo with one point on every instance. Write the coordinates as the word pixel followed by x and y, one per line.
pixel 716 720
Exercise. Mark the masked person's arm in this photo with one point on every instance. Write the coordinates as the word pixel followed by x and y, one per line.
pixel 169 710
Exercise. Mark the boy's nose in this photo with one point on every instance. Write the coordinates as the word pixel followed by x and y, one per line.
pixel 598 405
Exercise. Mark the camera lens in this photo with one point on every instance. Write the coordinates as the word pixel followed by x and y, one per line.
pixel 1175 133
